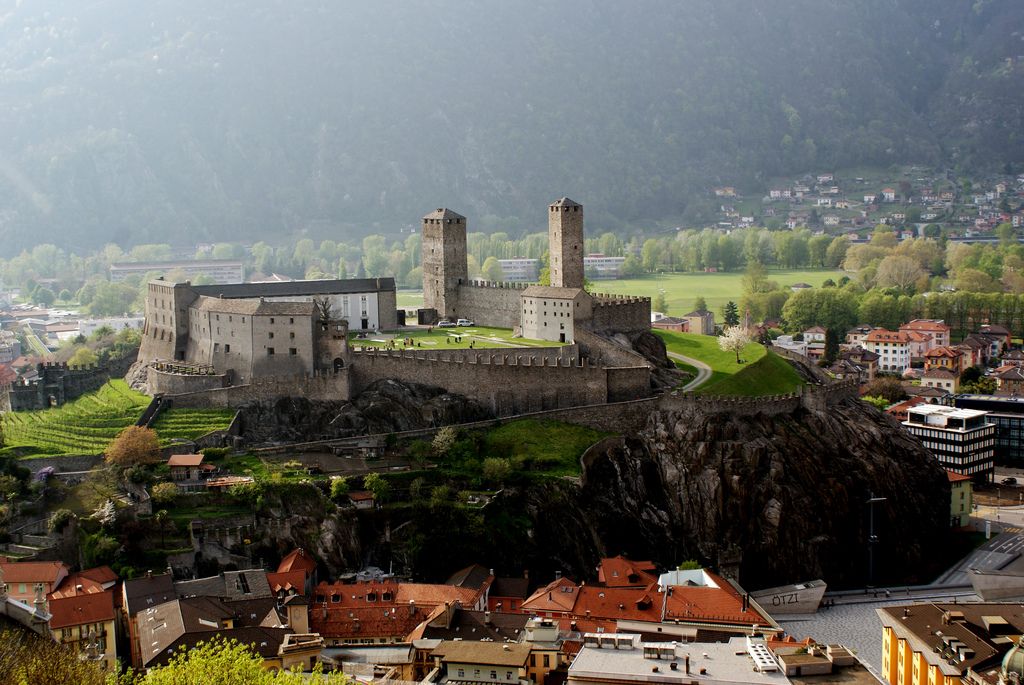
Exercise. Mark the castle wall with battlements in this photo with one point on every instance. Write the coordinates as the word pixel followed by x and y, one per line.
pixel 620 314
pixel 491 304
pixel 197 391
pixel 513 385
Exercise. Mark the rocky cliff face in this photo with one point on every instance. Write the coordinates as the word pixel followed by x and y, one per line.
pixel 777 499
pixel 386 406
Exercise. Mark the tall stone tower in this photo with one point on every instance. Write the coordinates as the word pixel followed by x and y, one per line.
pixel 444 261
pixel 565 243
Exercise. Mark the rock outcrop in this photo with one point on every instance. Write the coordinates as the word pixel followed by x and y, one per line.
pixel 386 406
pixel 774 499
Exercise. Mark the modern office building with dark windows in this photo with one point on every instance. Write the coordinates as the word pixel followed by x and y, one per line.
pixel 1007 412
pixel 963 440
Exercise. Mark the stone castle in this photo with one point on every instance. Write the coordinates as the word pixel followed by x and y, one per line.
pixel 552 312
pixel 225 345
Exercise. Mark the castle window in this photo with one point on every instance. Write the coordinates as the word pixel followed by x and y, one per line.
pixel 291 319
pixel 227 348
pixel 292 351
pixel 292 335
pixel 271 335
pixel 231 319
pixel 270 351
pixel 218 317
pixel 271 319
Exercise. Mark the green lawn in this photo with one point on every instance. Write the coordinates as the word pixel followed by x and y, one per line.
pixel 452 339
pixel 682 289
pixel 548 446
pixel 769 375
pixel 760 373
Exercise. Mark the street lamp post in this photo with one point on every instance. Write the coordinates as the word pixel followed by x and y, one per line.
pixel 872 538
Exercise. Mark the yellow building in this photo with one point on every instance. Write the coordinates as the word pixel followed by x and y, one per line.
pixel 961 499
pixel 87 623
pixel 945 644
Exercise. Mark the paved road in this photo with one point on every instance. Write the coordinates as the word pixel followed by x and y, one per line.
pixel 703 370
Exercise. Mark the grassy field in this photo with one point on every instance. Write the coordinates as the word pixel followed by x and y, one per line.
pixel 84 426
pixel 548 446
pixel 761 373
pixel 453 339
pixel 682 289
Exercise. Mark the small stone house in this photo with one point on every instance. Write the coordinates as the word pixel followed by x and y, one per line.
pixel 185 467
pixel 361 499
pixel 700 322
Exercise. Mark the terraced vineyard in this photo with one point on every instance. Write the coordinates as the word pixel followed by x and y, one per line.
pixel 84 426
pixel 189 424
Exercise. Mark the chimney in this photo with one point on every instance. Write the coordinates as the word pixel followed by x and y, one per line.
pixel 487 618
pixel 79 588
pixel 558 575
pixel 674 666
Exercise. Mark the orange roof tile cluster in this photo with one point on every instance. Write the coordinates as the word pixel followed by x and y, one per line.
pixel 956 477
pixel 364 622
pixel 589 603
pixel 86 608
pixel 90 581
pixel 621 572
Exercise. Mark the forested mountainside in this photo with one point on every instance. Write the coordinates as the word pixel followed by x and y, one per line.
pixel 140 122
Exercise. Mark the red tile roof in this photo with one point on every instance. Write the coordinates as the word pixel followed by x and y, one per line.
pixel 185 460
pixel 287 580
pixel 364 622
pixel 943 352
pixel 33 571
pixel 297 559
pixel 621 572
pixel 398 594
pixel 558 595
pixel 882 335
pixel 711 605
pixel 91 580
pixel 929 325
pixel 86 608
pixel 956 477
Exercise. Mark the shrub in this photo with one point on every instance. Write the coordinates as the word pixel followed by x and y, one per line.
pixel 496 470
pixel 339 488
pixel 60 520
pixel 164 493
pixel 376 484
pixel 215 452
pixel 444 440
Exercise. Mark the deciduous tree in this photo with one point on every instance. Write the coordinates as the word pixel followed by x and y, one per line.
pixel 134 445
pixel 734 340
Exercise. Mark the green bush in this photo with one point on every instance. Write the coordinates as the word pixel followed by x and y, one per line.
pixel 215 452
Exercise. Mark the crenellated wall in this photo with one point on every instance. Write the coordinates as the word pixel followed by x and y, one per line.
pixel 491 303
pixel 321 386
pixel 620 314
pixel 512 384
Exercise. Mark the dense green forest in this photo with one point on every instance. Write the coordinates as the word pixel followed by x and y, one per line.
pixel 183 121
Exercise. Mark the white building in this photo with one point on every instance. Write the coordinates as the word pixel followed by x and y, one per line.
pixel 892 348
pixel 548 313
pixel 220 270
pixel 599 266
pixel 520 269
pixel 623 658
pixel 963 440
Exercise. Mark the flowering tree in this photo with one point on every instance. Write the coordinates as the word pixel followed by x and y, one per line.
pixel 734 339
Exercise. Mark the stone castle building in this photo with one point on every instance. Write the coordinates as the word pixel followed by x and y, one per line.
pixel 252 330
pixel 554 312
pixel 225 345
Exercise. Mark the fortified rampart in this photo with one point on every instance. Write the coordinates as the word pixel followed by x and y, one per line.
pixel 512 384
pixel 620 314
pixel 328 385
pixel 58 383
pixel 491 303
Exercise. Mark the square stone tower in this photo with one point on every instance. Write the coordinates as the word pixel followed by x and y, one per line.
pixel 565 243
pixel 444 261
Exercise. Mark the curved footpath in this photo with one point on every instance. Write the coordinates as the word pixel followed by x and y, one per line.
pixel 703 370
